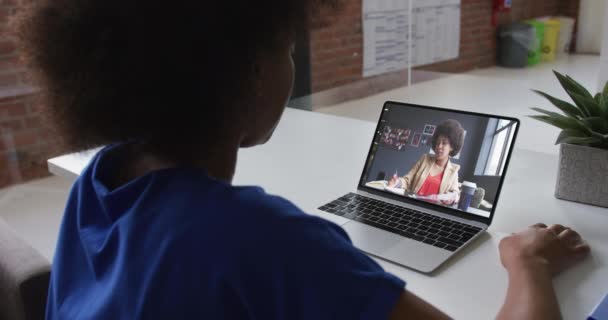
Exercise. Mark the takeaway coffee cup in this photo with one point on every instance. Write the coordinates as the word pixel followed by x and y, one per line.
pixel 466 195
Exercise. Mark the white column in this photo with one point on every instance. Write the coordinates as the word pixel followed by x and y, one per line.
pixel 604 57
pixel 590 18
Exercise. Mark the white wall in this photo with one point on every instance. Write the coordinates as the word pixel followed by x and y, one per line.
pixel 590 21
pixel 604 58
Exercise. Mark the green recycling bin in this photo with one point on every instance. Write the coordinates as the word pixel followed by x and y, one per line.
pixel 534 55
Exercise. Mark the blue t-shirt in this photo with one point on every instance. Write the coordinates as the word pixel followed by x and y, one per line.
pixel 177 244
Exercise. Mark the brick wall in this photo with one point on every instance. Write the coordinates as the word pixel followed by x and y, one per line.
pixel 11 73
pixel 26 138
pixel 337 51
pixel 569 7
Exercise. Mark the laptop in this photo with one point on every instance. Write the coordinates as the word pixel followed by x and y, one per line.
pixel 430 184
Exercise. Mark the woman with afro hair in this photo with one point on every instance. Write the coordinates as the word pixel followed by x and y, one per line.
pixel 154 227
pixel 435 175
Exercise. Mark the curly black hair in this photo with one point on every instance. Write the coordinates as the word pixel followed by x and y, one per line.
pixel 155 71
pixel 454 131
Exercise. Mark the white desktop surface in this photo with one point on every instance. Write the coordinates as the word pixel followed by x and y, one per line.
pixel 314 158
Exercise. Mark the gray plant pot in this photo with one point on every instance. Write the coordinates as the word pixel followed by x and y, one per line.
pixel 582 175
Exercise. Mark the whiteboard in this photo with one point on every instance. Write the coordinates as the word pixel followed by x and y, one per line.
pixel 435 32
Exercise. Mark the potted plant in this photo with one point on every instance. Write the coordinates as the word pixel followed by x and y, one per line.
pixel 583 163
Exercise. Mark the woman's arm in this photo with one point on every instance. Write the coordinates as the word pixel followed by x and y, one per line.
pixel 454 186
pixel 404 182
pixel 532 258
pixel 407 179
pixel 453 191
pixel 530 294
pixel 410 306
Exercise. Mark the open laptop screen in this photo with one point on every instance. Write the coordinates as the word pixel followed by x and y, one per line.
pixel 446 158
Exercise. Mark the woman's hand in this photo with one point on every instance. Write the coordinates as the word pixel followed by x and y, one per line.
pixel 555 247
pixel 393 181
pixel 452 200
pixel 448 202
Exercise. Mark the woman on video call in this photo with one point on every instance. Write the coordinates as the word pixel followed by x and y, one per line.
pixel 154 227
pixel 436 174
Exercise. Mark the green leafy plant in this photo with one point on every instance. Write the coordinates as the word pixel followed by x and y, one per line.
pixel 583 123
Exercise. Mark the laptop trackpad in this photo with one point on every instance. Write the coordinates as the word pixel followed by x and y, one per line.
pixel 392 247
pixel 369 239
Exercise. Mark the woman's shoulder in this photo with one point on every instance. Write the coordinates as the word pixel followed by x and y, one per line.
pixel 427 157
pixel 247 219
pixel 256 199
pixel 251 208
pixel 454 167
pixel 280 217
pixel 269 225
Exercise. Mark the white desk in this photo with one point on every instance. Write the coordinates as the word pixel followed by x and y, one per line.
pixel 315 158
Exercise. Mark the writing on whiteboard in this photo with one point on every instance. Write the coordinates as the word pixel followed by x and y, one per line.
pixel 435 33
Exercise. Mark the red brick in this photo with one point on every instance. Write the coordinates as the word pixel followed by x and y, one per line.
pixel 9 79
pixel 347 53
pixel 13 125
pixel 25 138
pixel 34 122
pixel 5 13
pixel 11 3
pixel 7 47
pixel 4 179
pixel 13 110
pixel 35 172
pixel 9 63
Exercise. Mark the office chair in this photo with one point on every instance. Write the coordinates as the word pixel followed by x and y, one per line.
pixel 24 278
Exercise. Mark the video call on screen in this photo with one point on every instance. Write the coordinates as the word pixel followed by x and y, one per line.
pixel 446 158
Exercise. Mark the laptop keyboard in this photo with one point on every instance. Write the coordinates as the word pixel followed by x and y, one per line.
pixel 409 223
